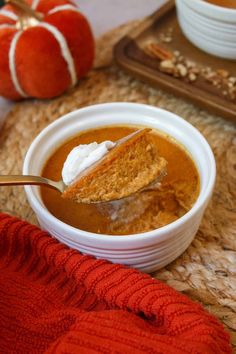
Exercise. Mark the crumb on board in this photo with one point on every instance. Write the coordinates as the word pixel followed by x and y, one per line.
pixel 174 63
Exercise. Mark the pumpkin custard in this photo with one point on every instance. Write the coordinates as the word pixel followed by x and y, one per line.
pixel 138 213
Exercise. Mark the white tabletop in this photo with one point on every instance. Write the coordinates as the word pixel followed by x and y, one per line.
pixel 107 14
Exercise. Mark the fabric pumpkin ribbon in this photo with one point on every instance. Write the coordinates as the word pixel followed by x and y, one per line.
pixel 56 300
pixel 46 47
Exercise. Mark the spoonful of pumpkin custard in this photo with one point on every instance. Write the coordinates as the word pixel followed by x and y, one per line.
pixel 109 171
pixel 105 172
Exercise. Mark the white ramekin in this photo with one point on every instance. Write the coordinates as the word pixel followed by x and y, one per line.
pixel 211 28
pixel 147 251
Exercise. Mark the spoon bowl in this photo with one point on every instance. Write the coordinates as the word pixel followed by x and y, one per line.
pixel 13 180
pixel 61 186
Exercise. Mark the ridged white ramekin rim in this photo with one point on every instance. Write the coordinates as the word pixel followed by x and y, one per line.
pixel 195 27
pixel 222 14
pixel 215 38
pixel 212 30
pixel 207 35
pixel 124 113
pixel 206 43
pixel 133 249
pixel 206 21
pixel 140 254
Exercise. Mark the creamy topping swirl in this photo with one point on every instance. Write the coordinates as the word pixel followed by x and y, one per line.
pixel 82 157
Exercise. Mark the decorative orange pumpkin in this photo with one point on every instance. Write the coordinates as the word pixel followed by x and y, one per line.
pixel 46 46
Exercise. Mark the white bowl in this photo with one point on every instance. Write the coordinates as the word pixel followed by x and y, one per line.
pixel 147 251
pixel 208 45
pixel 212 28
pixel 209 27
pixel 210 22
pixel 209 33
pixel 211 11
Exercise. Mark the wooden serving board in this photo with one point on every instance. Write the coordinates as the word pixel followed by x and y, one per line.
pixel 130 55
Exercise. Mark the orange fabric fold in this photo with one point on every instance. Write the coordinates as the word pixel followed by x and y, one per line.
pixel 55 300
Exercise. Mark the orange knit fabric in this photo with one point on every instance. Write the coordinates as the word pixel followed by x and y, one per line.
pixel 55 300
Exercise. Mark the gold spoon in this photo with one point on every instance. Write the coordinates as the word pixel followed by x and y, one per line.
pixel 16 180
pixel 11 180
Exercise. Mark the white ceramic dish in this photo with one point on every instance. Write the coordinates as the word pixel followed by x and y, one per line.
pixel 211 22
pixel 148 251
pixel 215 37
pixel 219 13
pixel 209 27
pixel 211 46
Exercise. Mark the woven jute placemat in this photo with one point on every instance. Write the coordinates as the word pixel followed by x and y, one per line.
pixel 207 270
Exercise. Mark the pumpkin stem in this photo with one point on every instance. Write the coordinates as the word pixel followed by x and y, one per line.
pixel 25 9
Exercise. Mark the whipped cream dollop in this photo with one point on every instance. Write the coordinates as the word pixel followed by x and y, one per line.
pixel 82 157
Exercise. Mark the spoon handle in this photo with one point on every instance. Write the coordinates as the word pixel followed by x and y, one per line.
pixel 12 180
